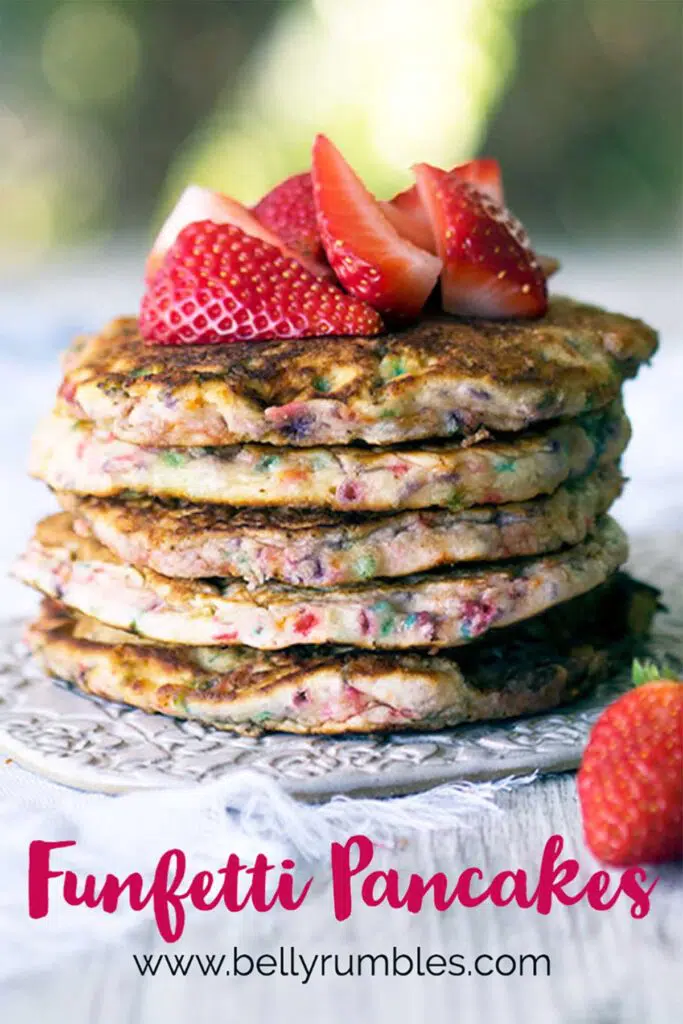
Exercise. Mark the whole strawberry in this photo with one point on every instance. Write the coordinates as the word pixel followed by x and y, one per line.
pixel 219 284
pixel 631 777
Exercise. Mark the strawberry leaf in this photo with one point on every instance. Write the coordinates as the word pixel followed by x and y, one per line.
pixel 649 672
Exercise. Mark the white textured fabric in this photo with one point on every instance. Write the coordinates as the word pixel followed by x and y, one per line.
pixel 244 814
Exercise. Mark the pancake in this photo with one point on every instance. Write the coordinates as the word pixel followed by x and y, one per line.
pixel 314 548
pixel 440 377
pixel 441 609
pixel 531 667
pixel 73 456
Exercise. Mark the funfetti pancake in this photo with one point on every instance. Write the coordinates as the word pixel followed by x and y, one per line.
pixel 440 377
pixel 72 455
pixel 531 667
pixel 318 548
pixel 440 609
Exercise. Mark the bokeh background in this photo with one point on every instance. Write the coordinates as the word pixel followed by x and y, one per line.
pixel 107 107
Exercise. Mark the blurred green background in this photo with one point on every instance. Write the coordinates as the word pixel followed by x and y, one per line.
pixel 108 107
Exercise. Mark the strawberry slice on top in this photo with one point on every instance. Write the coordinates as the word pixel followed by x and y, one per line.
pixel 289 211
pixel 371 260
pixel 489 268
pixel 409 216
pixel 200 204
pixel 219 284
pixel 485 174
pixel 406 212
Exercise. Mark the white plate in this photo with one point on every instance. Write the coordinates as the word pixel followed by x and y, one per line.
pixel 96 745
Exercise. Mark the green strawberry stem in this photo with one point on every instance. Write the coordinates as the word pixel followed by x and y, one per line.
pixel 649 671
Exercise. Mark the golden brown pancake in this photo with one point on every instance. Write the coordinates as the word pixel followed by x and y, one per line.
pixel 540 664
pixel 440 609
pixel 75 456
pixel 441 377
pixel 318 548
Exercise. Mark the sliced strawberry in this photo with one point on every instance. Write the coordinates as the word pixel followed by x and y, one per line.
pixel 485 174
pixel 410 218
pixel 365 251
pixel 219 284
pixel 407 212
pixel 489 267
pixel 289 211
pixel 199 204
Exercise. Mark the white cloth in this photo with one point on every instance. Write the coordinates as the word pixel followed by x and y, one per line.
pixel 245 814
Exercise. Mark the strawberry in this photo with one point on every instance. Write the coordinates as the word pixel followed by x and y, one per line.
pixel 409 216
pixel 489 267
pixel 219 284
pixel 289 211
pixel 365 251
pixel 201 204
pixel 485 174
pixel 631 777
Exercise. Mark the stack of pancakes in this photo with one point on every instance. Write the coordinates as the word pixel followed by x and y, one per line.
pixel 339 534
